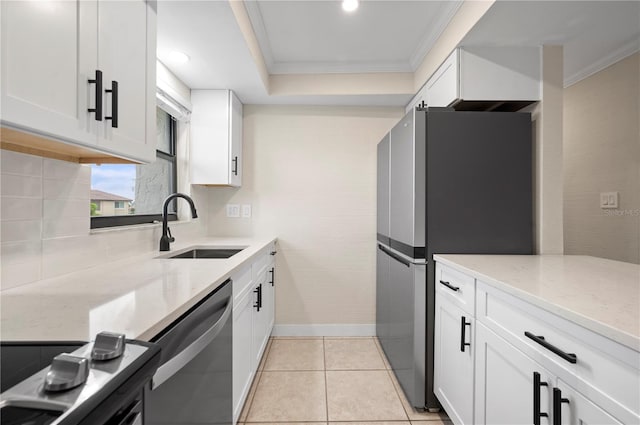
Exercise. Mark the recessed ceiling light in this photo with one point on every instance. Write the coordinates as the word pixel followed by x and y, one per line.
pixel 349 5
pixel 178 57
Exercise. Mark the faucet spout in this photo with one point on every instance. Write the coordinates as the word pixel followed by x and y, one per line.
pixel 166 238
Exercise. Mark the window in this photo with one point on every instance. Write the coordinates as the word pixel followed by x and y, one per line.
pixel 125 194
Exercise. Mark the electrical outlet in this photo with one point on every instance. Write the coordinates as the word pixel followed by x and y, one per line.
pixel 246 211
pixel 233 210
pixel 609 200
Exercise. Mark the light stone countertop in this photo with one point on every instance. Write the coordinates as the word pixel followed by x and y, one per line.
pixel 138 296
pixel 599 294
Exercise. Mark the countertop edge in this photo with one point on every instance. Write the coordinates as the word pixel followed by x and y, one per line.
pixel 596 326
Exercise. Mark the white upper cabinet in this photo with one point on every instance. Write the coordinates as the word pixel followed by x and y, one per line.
pixel 59 59
pixel 486 74
pixel 216 138
pixel 48 56
pixel 126 56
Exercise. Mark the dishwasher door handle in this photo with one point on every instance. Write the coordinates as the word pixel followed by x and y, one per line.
pixel 181 359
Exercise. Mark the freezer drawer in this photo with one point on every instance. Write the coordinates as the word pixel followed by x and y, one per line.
pixel 401 325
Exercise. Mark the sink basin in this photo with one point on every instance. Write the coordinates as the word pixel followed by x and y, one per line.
pixel 204 252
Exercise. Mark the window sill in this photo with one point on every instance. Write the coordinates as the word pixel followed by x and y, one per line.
pixel 143 226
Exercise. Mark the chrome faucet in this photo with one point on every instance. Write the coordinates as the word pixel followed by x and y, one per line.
pixel 166 238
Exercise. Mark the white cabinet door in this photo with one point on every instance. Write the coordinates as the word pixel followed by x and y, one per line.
pixel 216 138
pixel 505 383
pixel 576 409
pixel 243 371
pixel 235 140
pixel 48 57
pixel 270 298
pixel 443 86
pixel 123 55
pixel 260 335
pixel 453 361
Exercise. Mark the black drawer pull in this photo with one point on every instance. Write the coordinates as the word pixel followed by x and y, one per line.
pixel 450 286
pixel 114 104
pixel 234 170
pixel 537 383
pixel 98 82
pixel 396 257
pixel 258 304
pixel 570 357
pixel 557 406
pixel 273 275
pixel 463 328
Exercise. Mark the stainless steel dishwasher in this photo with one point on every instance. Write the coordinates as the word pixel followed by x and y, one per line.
pixel 193 384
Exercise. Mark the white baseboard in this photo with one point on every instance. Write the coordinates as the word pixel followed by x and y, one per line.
pixel 325 330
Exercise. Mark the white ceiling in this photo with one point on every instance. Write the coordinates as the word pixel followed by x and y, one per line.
pixel 594 33
pixel 318 36
pixel 381 36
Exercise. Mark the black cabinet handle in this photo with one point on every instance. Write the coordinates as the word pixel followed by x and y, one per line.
pixel 114 104
pixel 234 170
pixel 258 304
pixel 557 406
pixel 450 286
pixel 273 252
pixel 394 256
pixel 537 383
pixel 570 357
pixel 98 82
pixel 273 275
pixel 463 328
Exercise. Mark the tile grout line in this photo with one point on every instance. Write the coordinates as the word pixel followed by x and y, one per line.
pixel 259 378
pixel 326 384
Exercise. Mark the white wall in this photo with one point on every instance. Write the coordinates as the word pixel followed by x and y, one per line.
pixel 602 154
pixel 310 176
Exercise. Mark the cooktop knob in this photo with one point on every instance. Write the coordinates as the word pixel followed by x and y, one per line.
pixel 108 346
pixel 66 372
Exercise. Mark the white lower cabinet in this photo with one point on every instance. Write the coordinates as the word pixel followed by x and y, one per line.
pixel 572 408
pixel 454 356
pixel 253 319
pixel 243 371
pixel 525 365
pixel 510 387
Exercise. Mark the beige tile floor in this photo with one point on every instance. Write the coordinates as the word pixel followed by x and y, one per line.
pixel 336 381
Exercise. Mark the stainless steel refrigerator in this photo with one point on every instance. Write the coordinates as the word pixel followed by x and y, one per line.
pixel 448 182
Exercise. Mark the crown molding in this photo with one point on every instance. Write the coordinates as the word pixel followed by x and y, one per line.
pixel 255 15
pixel 617 55
pixel 446 12
pixel 280 68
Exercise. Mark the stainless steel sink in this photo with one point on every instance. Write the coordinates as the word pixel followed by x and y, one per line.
pixel 204 252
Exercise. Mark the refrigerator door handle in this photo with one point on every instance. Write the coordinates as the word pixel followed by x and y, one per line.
pixel 394 256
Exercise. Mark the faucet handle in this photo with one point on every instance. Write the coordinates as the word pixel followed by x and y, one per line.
pixel 171 238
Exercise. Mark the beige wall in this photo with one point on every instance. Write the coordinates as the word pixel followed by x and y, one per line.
pixel 310 176
pixel 602 154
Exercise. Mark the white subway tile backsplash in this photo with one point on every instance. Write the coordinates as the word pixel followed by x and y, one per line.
pixel 66 226
pixel 20 230
pixel 13 275
pixel 55 169
pixel 57 209
pixel 14 208
pixel 22 186
pixel 20 252
pixel 67 189
pixel 20 163
pixel 66 255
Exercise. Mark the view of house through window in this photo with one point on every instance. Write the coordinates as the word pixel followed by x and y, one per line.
pixel 123 194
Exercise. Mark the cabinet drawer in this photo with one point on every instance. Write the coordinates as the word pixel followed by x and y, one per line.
pixel 604 371
pixel 456 287
pixel 241 284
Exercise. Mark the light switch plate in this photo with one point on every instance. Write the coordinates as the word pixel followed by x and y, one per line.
pixel 246 211
pixel 609 200
pixel 233 210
